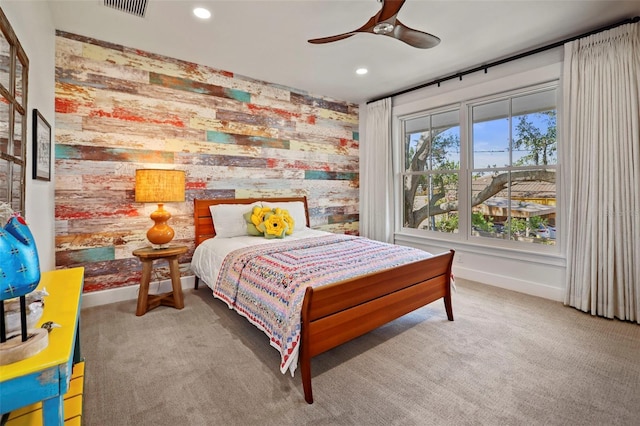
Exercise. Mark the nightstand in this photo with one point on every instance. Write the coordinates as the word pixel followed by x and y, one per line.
pixel 173 298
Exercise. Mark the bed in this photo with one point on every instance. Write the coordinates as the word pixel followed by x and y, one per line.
pixel 332 313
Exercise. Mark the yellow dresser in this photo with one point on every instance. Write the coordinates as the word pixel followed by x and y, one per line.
pixel 33 390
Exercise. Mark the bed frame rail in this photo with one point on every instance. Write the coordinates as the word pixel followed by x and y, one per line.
pixel 337 313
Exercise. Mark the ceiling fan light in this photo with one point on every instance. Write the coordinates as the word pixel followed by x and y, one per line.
pixel 383 28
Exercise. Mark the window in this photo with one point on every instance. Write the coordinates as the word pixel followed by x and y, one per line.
pixel 13 106
pixel 432 171
pixel 503 189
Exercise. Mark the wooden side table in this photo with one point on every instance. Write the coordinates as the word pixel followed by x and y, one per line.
pixel 173 298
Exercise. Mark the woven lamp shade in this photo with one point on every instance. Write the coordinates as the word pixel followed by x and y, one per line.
pixel 160 186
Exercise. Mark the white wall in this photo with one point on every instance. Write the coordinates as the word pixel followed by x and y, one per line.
pixel 33 25
pixel 537 274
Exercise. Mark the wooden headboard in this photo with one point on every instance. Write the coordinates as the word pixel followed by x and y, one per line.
pixel 205 228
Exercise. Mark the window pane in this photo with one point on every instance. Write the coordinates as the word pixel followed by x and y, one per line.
pixel 17 135
pixel 489 209
pixel 4 125
pixel 517 205
pixel 16 188
pixel 431 202
pixel 4 180
pixel 5 61
pixel 19 90
pixel 534 129
pixel 490 135
pixel 432 142
pixel 533 206
pixel 534 102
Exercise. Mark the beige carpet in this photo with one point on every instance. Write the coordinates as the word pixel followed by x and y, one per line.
pixel 507 359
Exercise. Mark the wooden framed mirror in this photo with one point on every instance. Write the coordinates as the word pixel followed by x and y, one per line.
pixel 14 72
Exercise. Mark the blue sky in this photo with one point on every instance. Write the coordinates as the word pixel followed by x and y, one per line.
pixel 491 141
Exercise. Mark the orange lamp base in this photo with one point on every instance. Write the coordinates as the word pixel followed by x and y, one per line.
pixel 160 234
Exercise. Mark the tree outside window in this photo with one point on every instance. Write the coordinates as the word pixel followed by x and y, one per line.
pixel 432 172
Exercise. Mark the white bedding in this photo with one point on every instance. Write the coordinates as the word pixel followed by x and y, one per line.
pixel 209 255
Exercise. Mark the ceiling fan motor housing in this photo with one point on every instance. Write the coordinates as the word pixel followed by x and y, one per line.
pixel 383 28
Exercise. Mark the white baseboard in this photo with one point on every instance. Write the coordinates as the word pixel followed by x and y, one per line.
pixel 113 295
pixel 510 283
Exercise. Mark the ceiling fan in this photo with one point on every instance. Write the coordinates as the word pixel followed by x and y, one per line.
pixel 385 22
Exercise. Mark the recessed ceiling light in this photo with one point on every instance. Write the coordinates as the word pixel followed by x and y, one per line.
pixel 202 13
pixel 362 71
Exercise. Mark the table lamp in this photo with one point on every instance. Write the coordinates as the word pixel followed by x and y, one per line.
pixel 159 186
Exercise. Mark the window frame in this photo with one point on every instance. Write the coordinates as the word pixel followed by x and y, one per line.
pixel 18 61
pixel 463 236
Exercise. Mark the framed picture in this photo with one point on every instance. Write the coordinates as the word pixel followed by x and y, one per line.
pixel 41 147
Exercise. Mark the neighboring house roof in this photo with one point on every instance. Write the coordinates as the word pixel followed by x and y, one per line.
pixel 498 206
pixel 520 190
pixel 523 195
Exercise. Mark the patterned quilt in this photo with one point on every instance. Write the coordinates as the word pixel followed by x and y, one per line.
pixel 266 284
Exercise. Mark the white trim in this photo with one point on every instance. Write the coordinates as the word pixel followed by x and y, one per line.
pixel 510 283
pixel 537 274
pixel 478 88
pixel 113 295
pixel 510 253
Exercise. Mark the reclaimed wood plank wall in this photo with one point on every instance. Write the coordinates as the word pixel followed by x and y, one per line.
pixel 119 109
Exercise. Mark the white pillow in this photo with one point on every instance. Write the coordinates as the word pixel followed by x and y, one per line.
pixel 228 219
pixel 296 211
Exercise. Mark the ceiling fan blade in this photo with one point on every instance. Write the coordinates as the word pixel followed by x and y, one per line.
pixel 368 27
pixel 412 37
pixel 385 22
pixel 330 39
pixel 390 9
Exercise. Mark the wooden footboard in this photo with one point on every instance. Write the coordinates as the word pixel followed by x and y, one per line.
pixel 337 313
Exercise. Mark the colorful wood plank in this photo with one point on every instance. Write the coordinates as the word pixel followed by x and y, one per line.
pixel 119 109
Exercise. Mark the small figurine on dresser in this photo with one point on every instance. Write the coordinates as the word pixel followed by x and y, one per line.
pixel 19 276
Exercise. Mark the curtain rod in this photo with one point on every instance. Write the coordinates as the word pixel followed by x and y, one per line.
pixel 509 59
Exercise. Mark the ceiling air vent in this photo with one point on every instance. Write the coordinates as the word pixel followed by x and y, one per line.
pixel 133 7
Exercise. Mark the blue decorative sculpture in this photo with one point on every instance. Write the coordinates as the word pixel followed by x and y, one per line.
pixel 19 268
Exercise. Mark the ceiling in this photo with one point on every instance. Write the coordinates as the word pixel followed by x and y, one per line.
pixel 267 40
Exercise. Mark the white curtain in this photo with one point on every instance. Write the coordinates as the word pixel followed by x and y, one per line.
pixel 376 181
pixel 601 140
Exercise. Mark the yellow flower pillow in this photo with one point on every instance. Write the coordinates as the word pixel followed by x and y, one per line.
pixel 287 218
pixel 274 225
pixel 268 222
pixel 255 217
